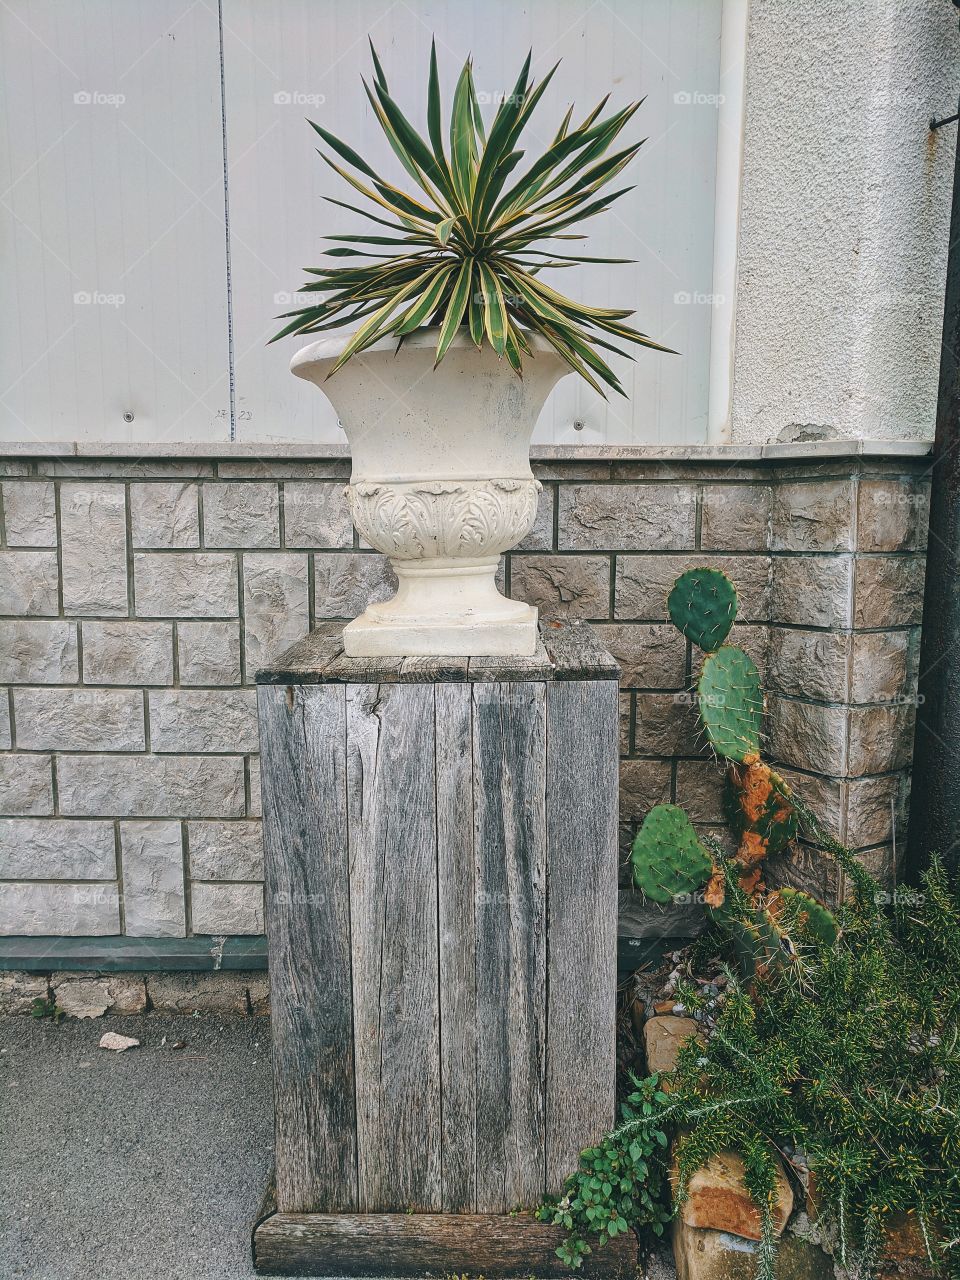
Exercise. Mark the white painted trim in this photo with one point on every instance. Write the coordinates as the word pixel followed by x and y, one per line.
pixel 733 64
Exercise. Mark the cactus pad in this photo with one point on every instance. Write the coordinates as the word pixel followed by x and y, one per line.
pixel 703 605
pixel 731 703
pixel 813 917
pixel 761 811
pixel 668 860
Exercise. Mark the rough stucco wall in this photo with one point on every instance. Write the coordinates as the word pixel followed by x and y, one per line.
pixel 845 209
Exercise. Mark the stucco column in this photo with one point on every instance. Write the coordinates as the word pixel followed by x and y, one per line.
pixel 845 211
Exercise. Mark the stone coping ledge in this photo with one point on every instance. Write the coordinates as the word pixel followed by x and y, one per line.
pixel 266 450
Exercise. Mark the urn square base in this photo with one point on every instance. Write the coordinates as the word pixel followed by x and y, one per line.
pixel 368 637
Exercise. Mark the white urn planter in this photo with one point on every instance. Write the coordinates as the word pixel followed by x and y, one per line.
pixel 441 484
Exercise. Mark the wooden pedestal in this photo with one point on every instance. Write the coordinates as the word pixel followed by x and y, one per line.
pixel 440 843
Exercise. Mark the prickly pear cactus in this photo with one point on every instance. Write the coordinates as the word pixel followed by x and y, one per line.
pixel 703 605
pixel 812 916
pixel 668 860
pixel 731 703
pixel 761 811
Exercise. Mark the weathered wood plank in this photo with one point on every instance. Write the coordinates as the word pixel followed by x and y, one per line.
pixel 509 761
pixel 576 652
pixel 306 661
pixel 364 670
pixel 431 668
pixel 456 881
pixel 500 668
pixel 582 786
pixel 391 806
pixel 507 1247
pixel 308 930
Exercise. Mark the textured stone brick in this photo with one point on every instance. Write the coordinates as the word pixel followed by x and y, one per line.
pixel 626 714
pixel 127 652
pixel 255 809
pixel 700 790
pixel 73 910
pixel 91 995
pixel 147 786
pixel 626 517
pixel 892 514
pixel 30 513
pixel 127 468
pixel 6 738
pixel 38 652
pixel 18 991
pixel 825 797
pixel 56 849
pixel 315 514
pixel 280 469
pixel 56 719
pixel 540 537
pixel 209 652
pixel 663 1038
pixel 644 582
pixel 26 784
pixel 881 665
pixel 238 514
pixel 345 584
pixel 227 908
pixel 809 664
pixel 226 850
pixel 165 514
pixel 153 893
pixel 814 591
pixel 814 516
pixel 803 867
pixel 93 527
pixel 808 736
pixel 881 738
pixel 735 517
pixel 562 586
pixel 28 583
pixel 889 590
pixel 651 655
pixel 667 724
pixel 197 720
pixel 643 783
pixel 186 584
pixel 276 604
pixel 880 864
pixel 198 992
pixel 872 806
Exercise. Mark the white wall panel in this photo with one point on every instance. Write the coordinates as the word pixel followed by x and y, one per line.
pixel 297 58
pixel 111 186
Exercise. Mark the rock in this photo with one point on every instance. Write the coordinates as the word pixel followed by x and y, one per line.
pixel 18 990
pixel 702 1254
pixel 904 1252
pixel 258 992
pixel 87 995
pixel 118 1043
pixel 718 1199
pixel 198 992
pixel 662 1038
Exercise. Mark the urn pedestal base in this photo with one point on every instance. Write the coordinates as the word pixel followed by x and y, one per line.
pixel 444 607
pixel 440 863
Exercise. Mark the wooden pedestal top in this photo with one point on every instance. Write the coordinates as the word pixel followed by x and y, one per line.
pixel 566 651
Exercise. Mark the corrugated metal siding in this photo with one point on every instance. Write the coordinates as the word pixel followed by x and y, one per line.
pixel 126 198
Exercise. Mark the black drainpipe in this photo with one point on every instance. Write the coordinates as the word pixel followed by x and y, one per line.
pixel 935 800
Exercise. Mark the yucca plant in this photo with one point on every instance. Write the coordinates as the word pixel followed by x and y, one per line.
pixel 462 250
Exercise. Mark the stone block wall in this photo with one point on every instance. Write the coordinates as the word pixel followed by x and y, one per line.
pixel 139 594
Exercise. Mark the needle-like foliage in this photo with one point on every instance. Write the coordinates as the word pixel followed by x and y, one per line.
pixel 461 250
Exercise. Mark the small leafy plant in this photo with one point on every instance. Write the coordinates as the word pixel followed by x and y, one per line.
pixel 43 1008
pixel 461 250
pixel 621 1184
